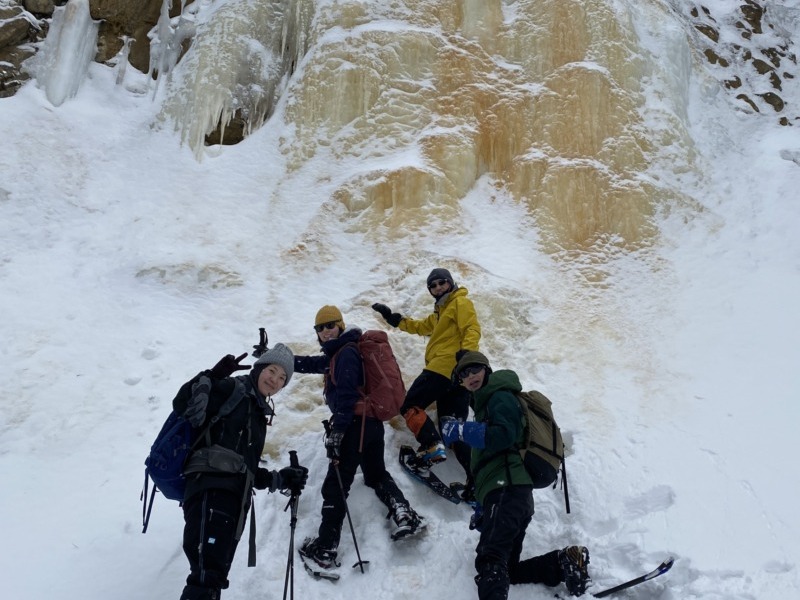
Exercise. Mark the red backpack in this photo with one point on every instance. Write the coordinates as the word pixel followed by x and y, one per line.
pixel 383 391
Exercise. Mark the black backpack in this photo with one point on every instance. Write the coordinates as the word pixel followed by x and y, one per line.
pixel 172 447
pixel 542 450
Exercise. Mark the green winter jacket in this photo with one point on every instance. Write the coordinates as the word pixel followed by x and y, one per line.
pixel 453 326
pixel 499 464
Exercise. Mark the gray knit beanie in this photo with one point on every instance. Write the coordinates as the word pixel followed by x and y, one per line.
pixel 277 355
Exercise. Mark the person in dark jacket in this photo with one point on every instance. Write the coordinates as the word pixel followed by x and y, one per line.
pixel 452 329
pixel 353 440
pixel 503 487
pixel 222 472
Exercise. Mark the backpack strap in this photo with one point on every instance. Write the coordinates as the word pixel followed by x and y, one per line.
pixel 564 483
pixel 361 388
pixel 147 506
pixel 333 364
pixel 228 406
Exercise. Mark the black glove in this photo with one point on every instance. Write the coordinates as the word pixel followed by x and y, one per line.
pixel 227 366
pixel 392 318
pixel 460 354
pixel 262 479
pixel 289 479
pixel 261 346
pixel 195 411
pixel 333 444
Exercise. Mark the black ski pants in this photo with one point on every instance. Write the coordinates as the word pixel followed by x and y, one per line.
pixel 451 400
pixel 507 514
pixel 372 464
pixel 209 541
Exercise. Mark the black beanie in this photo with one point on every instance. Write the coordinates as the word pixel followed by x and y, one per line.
pixel 440 273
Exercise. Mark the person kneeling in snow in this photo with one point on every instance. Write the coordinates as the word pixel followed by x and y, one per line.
pixel 222 472
pixel 503 487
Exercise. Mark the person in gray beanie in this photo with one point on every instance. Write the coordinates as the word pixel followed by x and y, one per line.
pixel 224 468
pixel 278 355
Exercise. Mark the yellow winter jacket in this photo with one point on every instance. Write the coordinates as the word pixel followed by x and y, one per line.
pixel 452 326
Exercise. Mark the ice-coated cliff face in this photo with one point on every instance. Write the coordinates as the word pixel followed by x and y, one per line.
pixel 240 56
pixel 414 102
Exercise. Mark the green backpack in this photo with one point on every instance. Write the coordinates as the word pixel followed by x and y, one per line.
pixel 542 451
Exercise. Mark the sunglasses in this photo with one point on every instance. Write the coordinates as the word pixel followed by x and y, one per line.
pixel 464 373
pixel 322 326
pixel 438 283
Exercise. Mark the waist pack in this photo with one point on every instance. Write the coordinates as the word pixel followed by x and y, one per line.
pixel 542 450
pixel 383 391
pixel 215 459
pixel 165 463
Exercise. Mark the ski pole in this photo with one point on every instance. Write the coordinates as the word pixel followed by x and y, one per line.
pixel 335 464
pixel 293 501
pixel 360 562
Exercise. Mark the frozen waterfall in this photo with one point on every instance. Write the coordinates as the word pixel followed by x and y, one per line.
pixel 409 105
pixel 68 50
pixel 239 55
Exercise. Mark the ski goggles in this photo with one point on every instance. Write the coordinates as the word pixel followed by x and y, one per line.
pixel 471 370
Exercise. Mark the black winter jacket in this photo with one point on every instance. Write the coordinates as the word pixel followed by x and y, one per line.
pixel 243 430
pixel 342 390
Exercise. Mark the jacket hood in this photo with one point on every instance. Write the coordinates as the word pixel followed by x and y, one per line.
pixel 504 379
pixel 349 335
pixel 456 292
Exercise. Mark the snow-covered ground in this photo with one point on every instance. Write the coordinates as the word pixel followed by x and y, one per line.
pixel 128 265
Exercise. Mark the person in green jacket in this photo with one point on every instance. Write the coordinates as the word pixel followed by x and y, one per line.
pixel 452 329
pixel 503 488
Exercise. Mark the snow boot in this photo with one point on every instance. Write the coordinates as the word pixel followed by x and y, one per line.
pixel 324 558
pixel 574 562
pixel 406 521
pixel 430 455
pixel 198 592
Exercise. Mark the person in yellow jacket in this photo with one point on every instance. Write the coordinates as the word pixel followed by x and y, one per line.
pixel 453 329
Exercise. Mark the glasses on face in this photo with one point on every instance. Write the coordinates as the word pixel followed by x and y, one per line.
pixel 464 373
pixel 322 326
pixel 437 283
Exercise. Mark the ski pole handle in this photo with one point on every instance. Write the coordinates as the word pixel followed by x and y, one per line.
pixel 293 458
pixel 261 347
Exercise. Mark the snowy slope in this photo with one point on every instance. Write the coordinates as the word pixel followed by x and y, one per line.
pixel 128 265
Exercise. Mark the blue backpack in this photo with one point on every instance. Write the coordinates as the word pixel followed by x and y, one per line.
pixel 172 446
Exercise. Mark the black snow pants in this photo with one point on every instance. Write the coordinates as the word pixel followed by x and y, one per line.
pixel 209 541
pixel 372 464
pixel 507 513
pixel 451 400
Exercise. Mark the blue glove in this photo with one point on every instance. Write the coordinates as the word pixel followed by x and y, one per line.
pixel 450 430
pixel 471 433
pixel 476 520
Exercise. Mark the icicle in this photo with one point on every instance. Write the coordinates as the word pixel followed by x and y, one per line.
pixel 68 50
pixel 236 65
pixel 166 43
pixel 122 63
